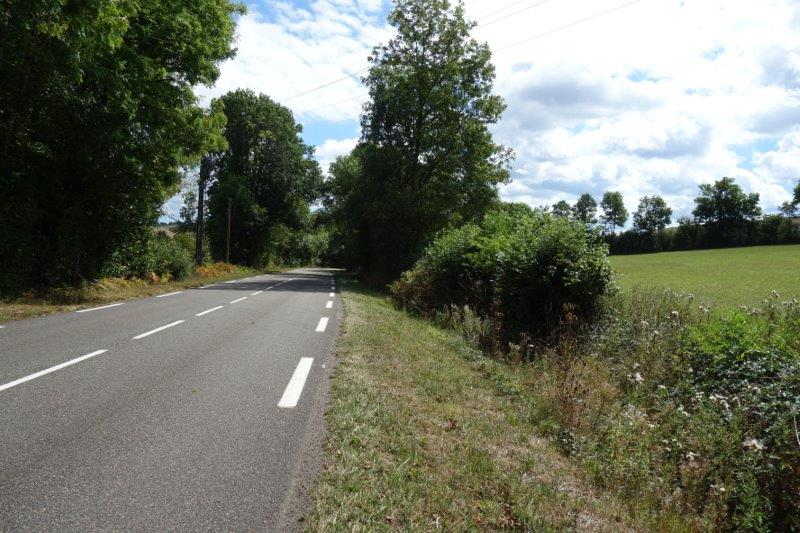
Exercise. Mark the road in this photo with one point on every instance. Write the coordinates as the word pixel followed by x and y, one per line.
pixel 195 410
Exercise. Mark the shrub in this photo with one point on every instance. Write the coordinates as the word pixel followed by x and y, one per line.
pixel 531 274
pixel 159 255
pixel 692 410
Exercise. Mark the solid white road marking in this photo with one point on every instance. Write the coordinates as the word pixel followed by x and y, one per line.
pixel 329 305
pixel 330 295
pixel 162 328
pixel 168 294
pixel 51 369
pixel 209 310
pixel 323 323
pixel 237 300
pixel 295 387
pixel 233 281
pixel 256 293
pixel 97 308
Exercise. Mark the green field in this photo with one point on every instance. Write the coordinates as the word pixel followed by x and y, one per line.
pixel 730 276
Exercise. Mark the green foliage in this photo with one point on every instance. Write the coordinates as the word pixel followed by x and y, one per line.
pixel 162 255
pixel 529 274
pixel 585 209
pixel 98 115
pixel 267 174
pixel 562 209
pixel 724 202
pixel 652 215
pixel 427 159
pixel 614 212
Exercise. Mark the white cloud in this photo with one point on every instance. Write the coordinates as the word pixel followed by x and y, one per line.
pixel 654 98
pixel 328 151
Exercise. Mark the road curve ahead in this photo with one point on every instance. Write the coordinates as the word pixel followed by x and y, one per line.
pixel 200 409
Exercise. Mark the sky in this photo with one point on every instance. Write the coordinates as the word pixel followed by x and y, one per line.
pixel 642 97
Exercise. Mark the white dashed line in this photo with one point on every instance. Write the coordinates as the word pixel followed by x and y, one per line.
pixel 256 293
pixel 162 328
pixel 168 294
pixel 331 294
pixel 323 323
pixel 51 369
pixel 295 387
pixel 97 308
pixel 329 305
pixel 237 300
pixel 209 310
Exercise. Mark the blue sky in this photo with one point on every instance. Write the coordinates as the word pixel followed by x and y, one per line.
pixel 651 98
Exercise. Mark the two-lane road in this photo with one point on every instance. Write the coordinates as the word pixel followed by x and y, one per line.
pixel 193 410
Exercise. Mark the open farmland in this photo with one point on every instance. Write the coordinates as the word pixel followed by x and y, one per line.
pixel 730 276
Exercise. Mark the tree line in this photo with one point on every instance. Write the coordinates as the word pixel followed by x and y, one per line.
pixel 724 215
pixel 99 125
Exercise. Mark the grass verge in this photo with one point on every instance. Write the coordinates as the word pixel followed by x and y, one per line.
pixel 112 290
pixel 427 433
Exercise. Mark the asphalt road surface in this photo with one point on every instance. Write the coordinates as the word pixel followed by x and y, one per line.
pixel 197 410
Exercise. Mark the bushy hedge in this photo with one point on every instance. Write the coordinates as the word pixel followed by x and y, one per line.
pixel 527 272
pixel 159 254
pixel 688 235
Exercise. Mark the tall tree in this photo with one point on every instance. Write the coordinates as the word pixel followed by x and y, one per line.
pixel 428 159
pixel 791 208
pixel 614 213
pixel 585 209
pixel 723 203
pixel 97 115
pixel 268 175
pixel 562 209
pixel 652 215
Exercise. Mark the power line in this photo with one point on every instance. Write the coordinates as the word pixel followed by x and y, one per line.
pixel 364 70
pixel 570 25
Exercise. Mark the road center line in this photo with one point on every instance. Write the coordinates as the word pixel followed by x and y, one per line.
pixel 162 328
pixel 168 294
pixel 97 308
pixel 295 387
pixel 323 323
pixel 329 305
pixel 209 310
pixel 237 300
pixel 256 293
pixel 331 295
pixel 51 369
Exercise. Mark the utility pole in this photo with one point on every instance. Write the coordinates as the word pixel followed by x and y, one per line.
pixel 200 230
pixel 228 245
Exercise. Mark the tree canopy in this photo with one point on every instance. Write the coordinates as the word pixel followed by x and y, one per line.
pixel 725 204
pixel 97 115
pixel 614 213
pixel 562 209
pixel 652 215
pixel 427 159
pixel 268 175
pixel 585 209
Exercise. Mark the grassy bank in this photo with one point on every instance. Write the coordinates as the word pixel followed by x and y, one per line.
pixel 427 433
pixel 730 276
pixel 112 290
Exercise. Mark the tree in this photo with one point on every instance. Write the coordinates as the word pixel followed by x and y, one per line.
pixel 562 209
pixel 791 209
pixel 98 116
pixel 614 212
pixel 427 159
pixel 652 215
pixel 725 204
pixel 268 175
pixel 585 209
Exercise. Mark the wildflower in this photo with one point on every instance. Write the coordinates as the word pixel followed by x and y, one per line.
pixel 718 488
pixel 637 377
pixel 753 444
pixel 674 315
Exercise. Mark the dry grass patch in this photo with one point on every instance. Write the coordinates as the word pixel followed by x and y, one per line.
pixel 426 433
pixel 108 290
